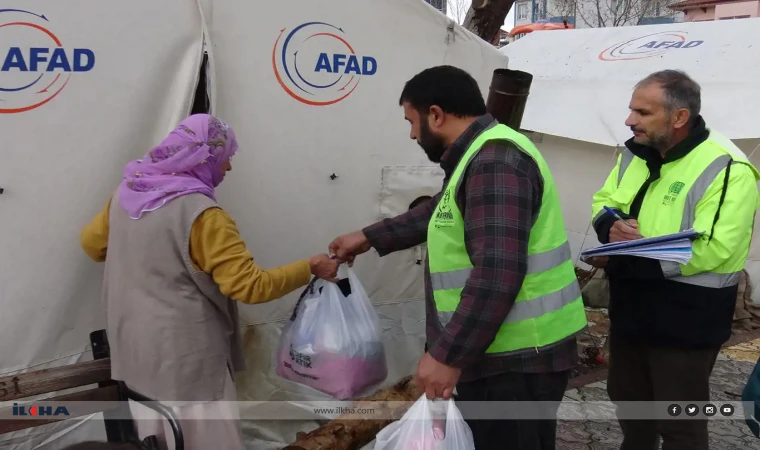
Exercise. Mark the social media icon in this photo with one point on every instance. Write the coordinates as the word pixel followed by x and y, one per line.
pixel 710 410
pixel 674 410
pixel 727 410
pixel 692 410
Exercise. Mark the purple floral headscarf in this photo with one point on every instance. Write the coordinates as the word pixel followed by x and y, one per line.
pixel 188 161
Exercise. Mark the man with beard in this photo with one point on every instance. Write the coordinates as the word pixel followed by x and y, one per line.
pixel 668 320
pixel 503 304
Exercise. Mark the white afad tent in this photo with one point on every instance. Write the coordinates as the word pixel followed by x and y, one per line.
pixel 583 80
pixel 324 150
pixel 311 89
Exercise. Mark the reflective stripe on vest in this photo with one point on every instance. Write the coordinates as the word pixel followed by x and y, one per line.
pixel 549 307
pixel 625 161
pixel 699 188
pixel 533 308
pixel 695 194
pixel 672 271
pixel 539 262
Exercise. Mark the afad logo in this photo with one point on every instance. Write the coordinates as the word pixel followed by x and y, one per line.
pixel 35 66
pixel 648 46
pixel 37 411
pixel 316 64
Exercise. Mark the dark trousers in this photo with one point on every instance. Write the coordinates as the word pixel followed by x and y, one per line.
pixel 515 387
pixel 641 372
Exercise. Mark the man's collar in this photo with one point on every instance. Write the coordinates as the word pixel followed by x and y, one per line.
pixel 454 153
pixel 697 135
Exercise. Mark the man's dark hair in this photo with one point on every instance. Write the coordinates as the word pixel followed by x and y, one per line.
pixel 452 89
pixel 680 91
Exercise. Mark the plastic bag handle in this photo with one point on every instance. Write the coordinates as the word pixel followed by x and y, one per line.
pixel 308 290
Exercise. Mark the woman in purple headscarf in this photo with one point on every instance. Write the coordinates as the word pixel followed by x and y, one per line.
pixel 175 268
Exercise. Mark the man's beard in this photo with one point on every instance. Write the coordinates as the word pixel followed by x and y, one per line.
pixel 434 145
pixel 657 141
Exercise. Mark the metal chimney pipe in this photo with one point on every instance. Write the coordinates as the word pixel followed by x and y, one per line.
pixel 508 95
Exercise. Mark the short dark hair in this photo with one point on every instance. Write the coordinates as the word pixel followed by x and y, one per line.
pixel 680 90
pixel 452 89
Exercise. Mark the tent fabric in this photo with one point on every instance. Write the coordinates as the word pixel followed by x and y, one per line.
pixel 583 79
pixel 310 166
pixel 121 80
pixel 315 163
pixel 292 206
pixel 60 161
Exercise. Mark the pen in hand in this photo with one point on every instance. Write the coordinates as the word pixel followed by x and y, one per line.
pixel 617 216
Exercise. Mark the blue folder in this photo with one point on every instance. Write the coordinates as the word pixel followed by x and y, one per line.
pixel 640 244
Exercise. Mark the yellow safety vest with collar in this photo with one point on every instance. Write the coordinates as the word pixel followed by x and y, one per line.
pixel 678 200
pixel 548 307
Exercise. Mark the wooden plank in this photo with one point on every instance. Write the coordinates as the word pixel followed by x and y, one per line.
pixel 88 402
pixel 351 431
pixel 56 379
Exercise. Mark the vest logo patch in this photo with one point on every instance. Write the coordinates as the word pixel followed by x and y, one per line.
pixel 673 192
pixel 444 218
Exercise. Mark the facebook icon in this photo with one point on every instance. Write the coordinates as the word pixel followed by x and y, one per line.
pixel 674 410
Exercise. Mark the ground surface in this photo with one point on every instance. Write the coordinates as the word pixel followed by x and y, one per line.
pixel 731 372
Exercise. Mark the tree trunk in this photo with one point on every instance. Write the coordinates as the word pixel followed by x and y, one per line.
pixel 486 17
pixel 352 432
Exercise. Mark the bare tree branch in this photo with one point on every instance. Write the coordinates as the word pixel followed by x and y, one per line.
pixel 618 13
pixel 458 9
pixel 485 18
pixel 563 9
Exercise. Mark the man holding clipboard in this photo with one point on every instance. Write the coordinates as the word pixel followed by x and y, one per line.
pixel 669 320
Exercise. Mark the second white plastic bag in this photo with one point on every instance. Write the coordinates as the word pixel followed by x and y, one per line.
pixel 425 426
pixel 333 340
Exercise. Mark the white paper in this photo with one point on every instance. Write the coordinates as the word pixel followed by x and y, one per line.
pixel 673 247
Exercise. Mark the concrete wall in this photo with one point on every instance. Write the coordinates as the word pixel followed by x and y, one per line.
pixel 698 15
pixel 737 9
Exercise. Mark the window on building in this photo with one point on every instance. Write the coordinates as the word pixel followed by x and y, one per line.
pixel 733 17
pixel 540 9
pixel 621 7
pixel 522 11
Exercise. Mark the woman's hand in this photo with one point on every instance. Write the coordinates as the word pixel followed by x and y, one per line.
pixel 322 266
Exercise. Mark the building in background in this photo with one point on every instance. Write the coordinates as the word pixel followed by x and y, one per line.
pixel 595 13
pixel 440 5
pixel 503 38
pixel 705 10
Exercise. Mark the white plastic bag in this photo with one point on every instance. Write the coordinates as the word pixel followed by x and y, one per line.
pixel 426 427
pixel 333 341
